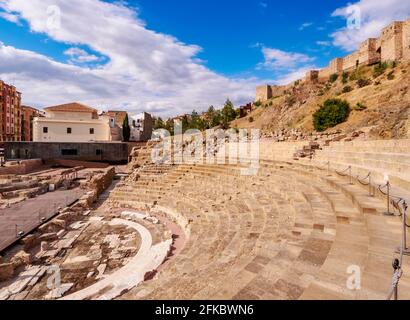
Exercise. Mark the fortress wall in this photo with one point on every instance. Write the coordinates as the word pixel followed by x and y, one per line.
pixel 263 93
pixel 325 73
pixel 312 76
pixel 368 54
pixel 392 42
pixel 336 65
pixel 266 92
pixel 350 61
pixel 278 91
pixel 406 40
pixel 393 45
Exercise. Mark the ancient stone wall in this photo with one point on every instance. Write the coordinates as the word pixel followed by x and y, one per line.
pixel 406 40
pixel 392 42
pixel 263 93
pixel 93 151
pixel 368 54
pixel 312 76
pixel 351 61
pixel 267 92
pixel 393 45
pixel 21 168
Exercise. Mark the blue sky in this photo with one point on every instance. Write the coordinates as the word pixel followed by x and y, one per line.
pixel 170 57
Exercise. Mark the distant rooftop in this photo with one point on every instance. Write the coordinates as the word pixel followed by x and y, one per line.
pixel 71 107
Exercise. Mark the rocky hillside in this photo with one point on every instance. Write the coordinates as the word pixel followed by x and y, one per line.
pixel 379 102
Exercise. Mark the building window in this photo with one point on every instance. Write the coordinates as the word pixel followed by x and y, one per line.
pixel 69 152
pixel 69 131
pixel 45 129
pixel 98 152
pixel 91 130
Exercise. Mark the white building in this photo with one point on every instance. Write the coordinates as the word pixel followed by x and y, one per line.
pixel 141 127
pixel 73 122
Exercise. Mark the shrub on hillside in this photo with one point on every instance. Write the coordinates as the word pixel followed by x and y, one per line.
pixel 345 77
pixel 363 83
pixel 360 107
pixel 257 103
pixel 357 74
pixel 332 113
pixel 334 77
pixel 390 76
pixel 251 119
pixel 379 69
pixel 347 89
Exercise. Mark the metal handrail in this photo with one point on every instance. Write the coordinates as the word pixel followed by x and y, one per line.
pixel 343 172
pixel 365 178
pixel 398 263
pixel 401 205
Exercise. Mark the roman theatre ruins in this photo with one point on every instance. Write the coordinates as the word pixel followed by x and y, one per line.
pixel 301 228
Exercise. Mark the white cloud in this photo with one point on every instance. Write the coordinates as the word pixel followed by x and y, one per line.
pixel 80 56
pixel 10 17
pixel 146 70
pixel 374 15
pixel 324 43
pixel 287 66
pixel 305 25
pixel 276 59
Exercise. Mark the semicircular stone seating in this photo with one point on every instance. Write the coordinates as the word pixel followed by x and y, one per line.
pixel 289 232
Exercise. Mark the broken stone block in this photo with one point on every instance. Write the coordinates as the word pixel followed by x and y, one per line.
pixel 23 280
pixel 79 262
pixel 6 271
pixel 22 258
pixel 48 237
pixel 44 246
pixel 60 291
pixel 61 233
pixel 29 242
pixel 101 269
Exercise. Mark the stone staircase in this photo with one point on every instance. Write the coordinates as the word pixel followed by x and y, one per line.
pixel 289 232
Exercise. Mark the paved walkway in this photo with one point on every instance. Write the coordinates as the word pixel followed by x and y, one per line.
pixel 28 215
pixel 148 258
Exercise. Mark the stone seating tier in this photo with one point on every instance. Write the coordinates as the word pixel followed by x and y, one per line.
pixel 288 233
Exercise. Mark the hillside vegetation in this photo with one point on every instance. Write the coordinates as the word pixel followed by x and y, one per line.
pixel 378 98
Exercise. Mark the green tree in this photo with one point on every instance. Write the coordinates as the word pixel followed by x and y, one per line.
pixel 332 113
pixel 169 125
pixel 228 112
pixel 185 123
pixel 158 123
pixel 126 130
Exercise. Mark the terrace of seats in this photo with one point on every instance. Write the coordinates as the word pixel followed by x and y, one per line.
pixel 289 232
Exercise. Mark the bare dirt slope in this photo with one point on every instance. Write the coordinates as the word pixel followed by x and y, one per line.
pixel 386 98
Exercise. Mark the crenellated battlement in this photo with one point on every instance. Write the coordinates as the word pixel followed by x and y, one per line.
pixel 392 45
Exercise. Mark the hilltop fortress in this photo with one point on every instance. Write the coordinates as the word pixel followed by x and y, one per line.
pixel 392 45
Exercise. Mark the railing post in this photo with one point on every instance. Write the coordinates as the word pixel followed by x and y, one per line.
pixel 388 213
pixel 404 250
pixel 370 186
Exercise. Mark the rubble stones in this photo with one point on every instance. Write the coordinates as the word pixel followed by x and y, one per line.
pixel 6 271
pixel 22 258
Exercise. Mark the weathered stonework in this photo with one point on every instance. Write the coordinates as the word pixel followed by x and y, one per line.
pixel 267 92
pixel 393 45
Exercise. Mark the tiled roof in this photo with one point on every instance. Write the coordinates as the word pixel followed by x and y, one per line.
pixel 71 107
